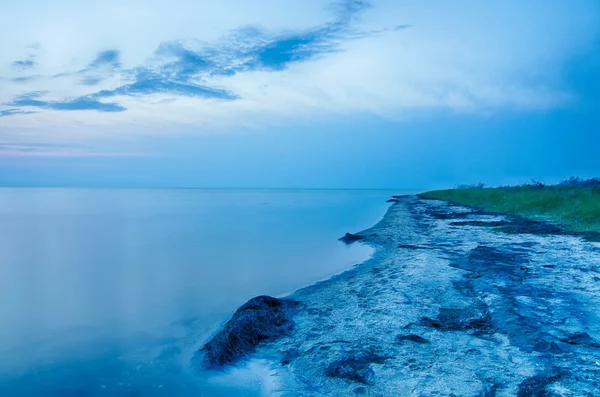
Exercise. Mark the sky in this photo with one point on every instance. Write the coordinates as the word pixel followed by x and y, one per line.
pixel 298 93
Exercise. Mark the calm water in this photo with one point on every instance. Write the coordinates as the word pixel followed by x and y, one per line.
pixel 111 291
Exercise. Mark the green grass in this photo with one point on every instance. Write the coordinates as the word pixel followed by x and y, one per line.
pixel 574 207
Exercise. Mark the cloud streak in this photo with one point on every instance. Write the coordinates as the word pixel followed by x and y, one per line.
pixel 182 68
pixel 32 99
pixel 43 149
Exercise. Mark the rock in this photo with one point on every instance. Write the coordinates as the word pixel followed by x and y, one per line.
pixel 356 366
pixel 289 356
pixel 545 346
pixel 454 215
pixel 481 223
pixel 261 319
pixel 349 238
pixel 520 225
pixel 393 200
pixel 490 391
pixel 460 320
pixel 581 338
pixel 412 247
pixel 536 386
pixel 412 338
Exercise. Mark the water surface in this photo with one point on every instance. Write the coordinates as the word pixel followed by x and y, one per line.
pixel 111 291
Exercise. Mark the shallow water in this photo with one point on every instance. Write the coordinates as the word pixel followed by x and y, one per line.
pixel 111 291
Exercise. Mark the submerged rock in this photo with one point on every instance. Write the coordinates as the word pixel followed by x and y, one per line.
pixel 356 366
pixel 536 386
pixel 460 320
pixel 349 238
pixel 521 225
pixel 581 338
pixel 412 338
pixel 262 318
pixel 481 223
pixel 289 356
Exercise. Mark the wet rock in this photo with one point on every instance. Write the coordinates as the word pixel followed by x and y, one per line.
pixel 356 366
pixel 545 346
pixel 581 338
pixel 412 338
pixel 260 319
pixel 520 225
pixel 412 247
pixel 452 215
pixel 350 238
pixel 490 391
pixel 536 386
pixel 481 223
pixel 392 200
pixel 289 356
pixel 460 320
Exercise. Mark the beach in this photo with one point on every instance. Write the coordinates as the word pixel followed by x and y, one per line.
pixel 447 306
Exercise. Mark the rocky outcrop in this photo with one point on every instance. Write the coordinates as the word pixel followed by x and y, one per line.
pixel 356 366
pixel 261 319
pixel 350 238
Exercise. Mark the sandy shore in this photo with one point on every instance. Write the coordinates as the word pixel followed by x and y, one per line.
pixel 448 307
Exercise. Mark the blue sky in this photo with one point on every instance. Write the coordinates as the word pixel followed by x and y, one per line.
pixel 270 93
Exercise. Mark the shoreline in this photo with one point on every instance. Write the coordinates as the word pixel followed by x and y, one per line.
pixel 435 293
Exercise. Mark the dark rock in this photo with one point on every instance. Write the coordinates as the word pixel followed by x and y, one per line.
pixel 457 215
pixel 412 247
pixel 349 238
pixel 545 346
pixel 520 225
pixel 289 356
pixel 360 390
pixel 460 320
pixel 392 200
pixel 260 319
pixel 412 338
pixel 356 366
pixel 581 338
pixel 481 223
pixel 536 386
pixel 490 391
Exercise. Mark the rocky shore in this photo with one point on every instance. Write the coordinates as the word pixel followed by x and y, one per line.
pixel 454 302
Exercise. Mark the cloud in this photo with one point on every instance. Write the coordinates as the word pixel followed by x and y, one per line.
pixel 181 68
pixel 109 58
pixel 26 78
pixel 148 85
pixel 82 103
pixel 12 112
pixel 24 64
pixel 43 149
pixel 227 64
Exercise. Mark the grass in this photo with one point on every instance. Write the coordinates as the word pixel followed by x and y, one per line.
pixel 573 204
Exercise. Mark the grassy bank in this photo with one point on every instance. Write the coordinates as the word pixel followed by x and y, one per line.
pixel 573 204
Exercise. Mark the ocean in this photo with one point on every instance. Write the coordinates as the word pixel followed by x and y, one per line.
pixel 111 291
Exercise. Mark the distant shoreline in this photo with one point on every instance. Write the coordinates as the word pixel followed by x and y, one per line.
pixel 572 205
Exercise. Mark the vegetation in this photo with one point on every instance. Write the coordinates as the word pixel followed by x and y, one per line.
pixel 573 204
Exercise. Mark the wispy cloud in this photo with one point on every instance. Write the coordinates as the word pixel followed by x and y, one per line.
pixel 183 68
pixel 25 64
pixel 43 149
pixel 12 112
pixel 109 58
pixel 32 99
